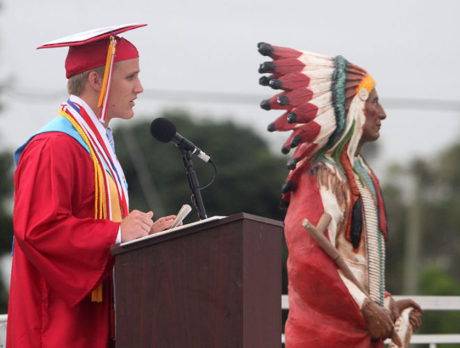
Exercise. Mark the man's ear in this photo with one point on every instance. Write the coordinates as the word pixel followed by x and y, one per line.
pixel 94 81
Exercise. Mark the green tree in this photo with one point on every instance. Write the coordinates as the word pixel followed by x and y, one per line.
pixel 437 190
pixel 435 280
pixel 6 188
pixel 249 177
pixel 6 221
pixel 438 182
pixel 396 213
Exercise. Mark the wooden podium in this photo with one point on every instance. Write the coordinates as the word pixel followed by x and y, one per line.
pixel 213 284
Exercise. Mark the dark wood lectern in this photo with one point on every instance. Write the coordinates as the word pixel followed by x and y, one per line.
pixel 211 285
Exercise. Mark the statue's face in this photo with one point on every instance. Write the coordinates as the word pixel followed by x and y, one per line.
pixel 374 115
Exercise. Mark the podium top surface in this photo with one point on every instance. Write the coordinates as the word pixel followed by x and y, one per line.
pixel 193 227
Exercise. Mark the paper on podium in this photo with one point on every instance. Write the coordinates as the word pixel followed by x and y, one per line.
pixel 173 229
pixel 183 212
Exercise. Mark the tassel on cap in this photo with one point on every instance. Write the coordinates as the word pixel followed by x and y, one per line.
pixel 103 97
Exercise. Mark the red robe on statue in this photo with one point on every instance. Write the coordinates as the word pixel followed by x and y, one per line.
pixel 61 252
pixel 322 312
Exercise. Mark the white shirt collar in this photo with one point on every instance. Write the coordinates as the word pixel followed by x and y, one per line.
pixel 89 111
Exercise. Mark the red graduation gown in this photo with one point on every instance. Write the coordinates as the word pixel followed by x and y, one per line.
pixel 61 252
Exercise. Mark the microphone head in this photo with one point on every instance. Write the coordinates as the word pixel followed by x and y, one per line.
pixel 162 129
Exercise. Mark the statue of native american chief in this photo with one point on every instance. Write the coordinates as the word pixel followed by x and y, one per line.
pixel 337 294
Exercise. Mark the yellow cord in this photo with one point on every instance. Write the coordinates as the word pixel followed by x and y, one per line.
pixel 97 200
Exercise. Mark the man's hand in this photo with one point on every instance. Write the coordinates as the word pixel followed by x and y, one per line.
pixel 378 320
pixel 137 224
pixel 162 224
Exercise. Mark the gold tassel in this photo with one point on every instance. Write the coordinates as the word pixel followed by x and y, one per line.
pixel 107 70
pixel 96 294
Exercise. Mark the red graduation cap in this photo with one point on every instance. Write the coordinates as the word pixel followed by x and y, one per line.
pixel 95 48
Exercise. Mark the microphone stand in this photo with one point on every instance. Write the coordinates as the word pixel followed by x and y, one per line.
pixel 197 201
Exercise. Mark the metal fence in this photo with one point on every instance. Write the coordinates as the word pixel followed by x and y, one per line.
pixel 428 303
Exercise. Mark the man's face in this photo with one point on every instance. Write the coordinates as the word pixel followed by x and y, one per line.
pixel 124 89
pixel 374 115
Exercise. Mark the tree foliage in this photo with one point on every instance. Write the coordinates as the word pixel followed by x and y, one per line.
pixel 6 221
pixel 437 181
pixel 6 189
pixel 248 176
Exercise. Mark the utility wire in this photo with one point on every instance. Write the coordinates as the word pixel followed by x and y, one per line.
pixel 234 98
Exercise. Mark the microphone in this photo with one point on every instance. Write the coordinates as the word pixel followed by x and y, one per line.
pixel 164 130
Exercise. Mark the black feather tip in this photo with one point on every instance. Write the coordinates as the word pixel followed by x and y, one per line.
pixel 292 163
pixel 295 141
pixel 283 100
pixel 265 104
pixel 292 117
pixel 275 84
pixel 264 81
pixel 267 67
pixel 265 49
pixel 287 187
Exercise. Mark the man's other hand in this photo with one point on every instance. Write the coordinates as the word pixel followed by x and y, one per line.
pixel 163 223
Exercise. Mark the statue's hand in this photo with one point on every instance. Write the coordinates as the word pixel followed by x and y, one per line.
pixel 415 316
pixel 378 320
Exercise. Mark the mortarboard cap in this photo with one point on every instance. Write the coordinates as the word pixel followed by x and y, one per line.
pixel 95 48
pixel 88 50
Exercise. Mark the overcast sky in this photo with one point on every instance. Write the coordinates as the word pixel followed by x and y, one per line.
pixel 193 51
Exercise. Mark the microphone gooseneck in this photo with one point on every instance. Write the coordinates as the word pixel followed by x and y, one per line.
pixel 165 131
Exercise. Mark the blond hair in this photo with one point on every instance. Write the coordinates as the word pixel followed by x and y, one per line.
pixel 76 83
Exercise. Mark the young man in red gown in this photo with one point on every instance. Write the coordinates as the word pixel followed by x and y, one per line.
pixel 71 202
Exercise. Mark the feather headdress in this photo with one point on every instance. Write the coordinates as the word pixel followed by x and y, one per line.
pixel 324 100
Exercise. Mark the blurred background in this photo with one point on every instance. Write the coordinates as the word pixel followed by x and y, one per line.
pixel 199 66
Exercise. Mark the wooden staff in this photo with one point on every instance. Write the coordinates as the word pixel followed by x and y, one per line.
pixel 317 233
